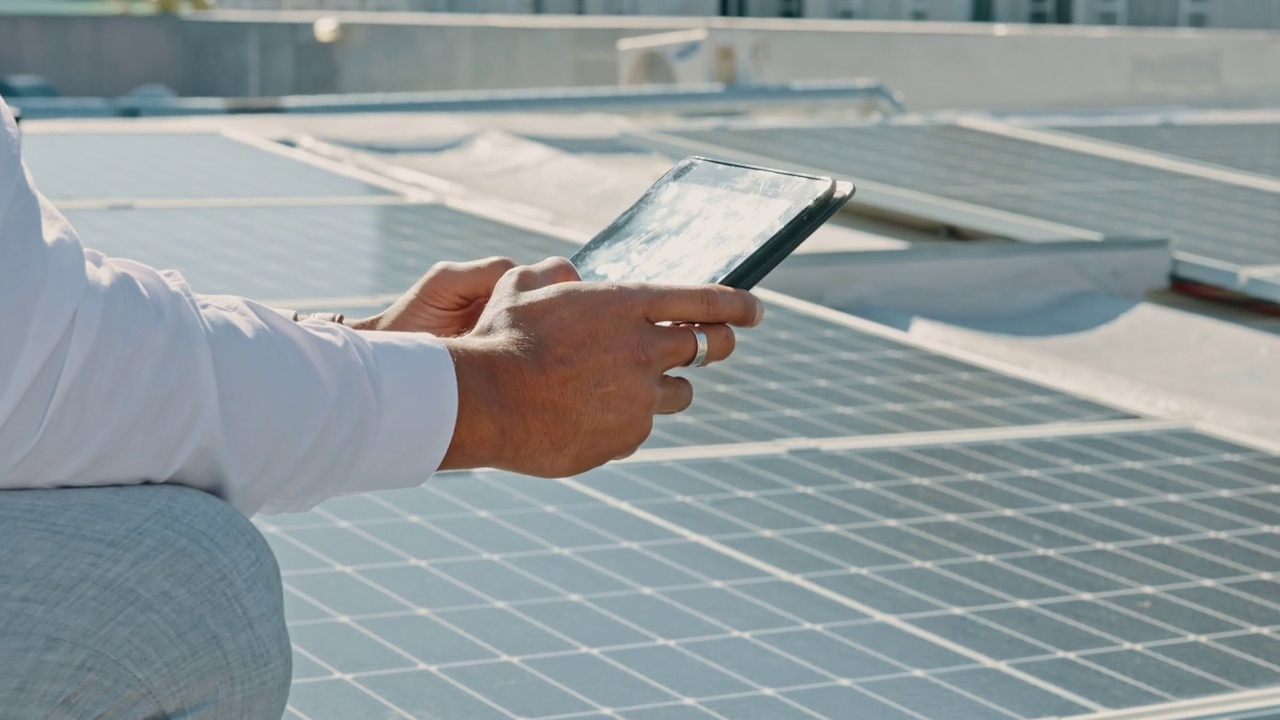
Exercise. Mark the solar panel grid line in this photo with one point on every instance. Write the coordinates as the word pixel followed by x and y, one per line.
pixel 1047 504
pixel 707 618
pixel 919 438
pixel 1013 472
pixel 1241 536
pixel 419 664
pixel 949 517
pixel 1066 589
pixel 736 634
pixel 1174 666
pixel 1121 152
pixel 1008 599
pixel 836 597
pixel 922 399
pixel 1195 708
pixel 996 365
pixel 840 681
pixel 977 614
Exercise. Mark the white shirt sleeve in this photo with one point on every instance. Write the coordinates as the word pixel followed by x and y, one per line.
pixel 114 373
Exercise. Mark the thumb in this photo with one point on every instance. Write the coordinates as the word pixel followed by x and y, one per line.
pixel 472 280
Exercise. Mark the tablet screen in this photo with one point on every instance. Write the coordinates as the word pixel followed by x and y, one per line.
pixel 697 224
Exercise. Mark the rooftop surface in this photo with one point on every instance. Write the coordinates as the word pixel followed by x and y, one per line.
pixel 979 462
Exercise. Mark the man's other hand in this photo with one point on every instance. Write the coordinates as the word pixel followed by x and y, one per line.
pixel 446 302
pixel 560 376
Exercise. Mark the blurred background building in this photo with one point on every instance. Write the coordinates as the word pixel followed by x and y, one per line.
pixel 1172 13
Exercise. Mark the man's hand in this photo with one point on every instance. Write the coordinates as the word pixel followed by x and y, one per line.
pixel 446 302
pixel 558 376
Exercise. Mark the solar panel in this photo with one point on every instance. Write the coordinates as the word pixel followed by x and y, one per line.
pixel 786 585
pixel 801 376
pixel 1004 579
pixel 1250 147
pixel 272 253
pixel 798 376
pixel 1224 222
pixel 170 166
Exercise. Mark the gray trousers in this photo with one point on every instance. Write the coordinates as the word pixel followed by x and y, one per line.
pixel 153 601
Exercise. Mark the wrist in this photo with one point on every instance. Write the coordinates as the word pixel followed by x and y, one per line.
pixel 482 419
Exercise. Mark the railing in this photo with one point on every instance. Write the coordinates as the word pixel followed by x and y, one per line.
pixel 712 97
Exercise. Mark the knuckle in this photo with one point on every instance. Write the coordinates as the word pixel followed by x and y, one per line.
pixel 711 303
pixel 565 270
pixel 442 267
pixel 644 352
pixel 621 297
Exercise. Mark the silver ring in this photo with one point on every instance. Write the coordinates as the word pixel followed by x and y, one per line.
pixel 699 357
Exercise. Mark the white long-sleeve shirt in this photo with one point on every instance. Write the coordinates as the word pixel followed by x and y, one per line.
pixel 114 373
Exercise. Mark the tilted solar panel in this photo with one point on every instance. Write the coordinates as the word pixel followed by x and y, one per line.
pixel 1244 146
pixel 275 253
pixel 172 166
pixel 1224 222
pixel 1006 579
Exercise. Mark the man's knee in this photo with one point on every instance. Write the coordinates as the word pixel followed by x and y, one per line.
pixel 161 583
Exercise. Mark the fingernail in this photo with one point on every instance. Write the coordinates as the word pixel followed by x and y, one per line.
pixel 759 313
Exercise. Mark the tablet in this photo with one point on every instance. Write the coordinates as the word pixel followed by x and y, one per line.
pixel 710 221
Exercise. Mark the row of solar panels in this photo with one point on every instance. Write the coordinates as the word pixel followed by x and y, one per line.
pixel 1003 566
pixel 1225 233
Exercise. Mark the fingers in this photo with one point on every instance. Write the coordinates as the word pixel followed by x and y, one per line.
pixel 474 279
pixel 548 272
pixel 709 304
pixel 675 394
pixel 676 346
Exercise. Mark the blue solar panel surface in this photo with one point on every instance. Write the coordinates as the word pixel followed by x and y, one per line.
pixel 1010 579
pixel 171 166
pixel 274 253
pixel 1252 147
pixel 1224 222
